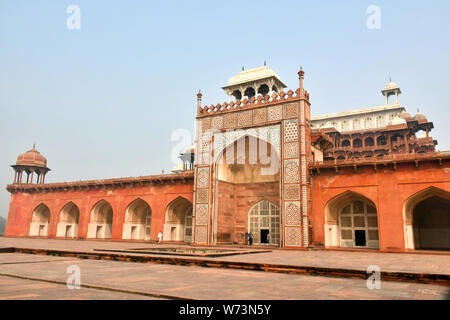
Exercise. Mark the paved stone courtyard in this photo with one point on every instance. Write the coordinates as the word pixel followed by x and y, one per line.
pixel 29 276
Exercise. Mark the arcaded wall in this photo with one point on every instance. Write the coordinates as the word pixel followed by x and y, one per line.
pixel 158 196
pixel 389 187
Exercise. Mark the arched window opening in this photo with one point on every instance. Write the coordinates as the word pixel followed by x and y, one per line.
pixel 381 141
pixel 358 225
pixel 369 142
pixel 357 143
pixel 249 92
pixel 237 94
pixel 345 143
pixel 263 90
pixel 264 223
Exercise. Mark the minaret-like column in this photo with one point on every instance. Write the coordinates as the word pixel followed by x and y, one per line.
pixel 199 101
pixel 304 150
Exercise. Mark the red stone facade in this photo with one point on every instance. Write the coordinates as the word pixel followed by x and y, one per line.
pixel 157 191
pixel 383 189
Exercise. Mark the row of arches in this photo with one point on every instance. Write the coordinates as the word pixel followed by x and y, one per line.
pixel 137 224
pixel 367 142
pixel 351 221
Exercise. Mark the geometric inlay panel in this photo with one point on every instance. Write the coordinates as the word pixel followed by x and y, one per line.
pixel 201 233
pixel 230 120
pixel 201 214
pixel 293 236
pixel 259 115
pixel 290 110
pixel 290 130
pixel 206 124
pixel 274 113
pixel 245 118
pixel 203 178
pixel 291 150
pixel 292 213
pixel 292 192
pixel 217 122
pixel 202 195
pixel 291 171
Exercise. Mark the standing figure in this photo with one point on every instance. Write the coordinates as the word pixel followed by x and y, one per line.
pixel 160 236
pixel 250 238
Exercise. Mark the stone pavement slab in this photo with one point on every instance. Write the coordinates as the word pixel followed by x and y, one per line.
pixel 389 262
pixel 197 282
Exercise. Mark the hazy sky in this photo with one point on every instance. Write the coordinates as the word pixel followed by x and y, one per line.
pixel 103 101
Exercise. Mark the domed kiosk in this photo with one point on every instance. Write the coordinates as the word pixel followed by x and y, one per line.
pixel 30 162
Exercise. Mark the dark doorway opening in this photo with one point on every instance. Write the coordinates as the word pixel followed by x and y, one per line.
pixel 264 236
pixel 360 238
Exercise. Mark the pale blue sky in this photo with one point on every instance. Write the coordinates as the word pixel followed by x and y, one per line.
pixel 102 101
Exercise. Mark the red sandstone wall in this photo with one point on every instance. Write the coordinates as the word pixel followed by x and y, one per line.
pixel 235 202
pixel 157 196
pixel 387 188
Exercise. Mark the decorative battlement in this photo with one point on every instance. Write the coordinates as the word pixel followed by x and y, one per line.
pixel 251 103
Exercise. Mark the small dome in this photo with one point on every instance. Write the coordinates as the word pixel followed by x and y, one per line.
pixel 391 86
pixel 405 115
pixel 397 121
pixel 420 117
pixel 32 158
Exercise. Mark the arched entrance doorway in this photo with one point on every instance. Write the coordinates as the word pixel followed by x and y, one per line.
pixel 431 224
pixel 68 221
pixel 100 225
pixel 351 221
pixel 138 221
pixel 427 220
pixel 178 223
pixel 246 172
pixel 40 221
pixel 264 223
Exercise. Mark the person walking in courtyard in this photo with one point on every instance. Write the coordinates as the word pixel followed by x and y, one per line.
pixel 250 238
pixel 160 236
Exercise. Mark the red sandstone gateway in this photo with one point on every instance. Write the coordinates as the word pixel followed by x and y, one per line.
pixel 368 178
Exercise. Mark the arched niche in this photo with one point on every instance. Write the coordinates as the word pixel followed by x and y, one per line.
pixel 101 220
pixel 426 216
pixel 68 221
pixel 138 220
pixel 351 220
pixel 40 221
pixel 178 221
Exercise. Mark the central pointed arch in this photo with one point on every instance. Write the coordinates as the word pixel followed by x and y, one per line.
pixel 40 221
pixel 138 221
pixel 246 171
pixel 101 220
pixel 68 221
